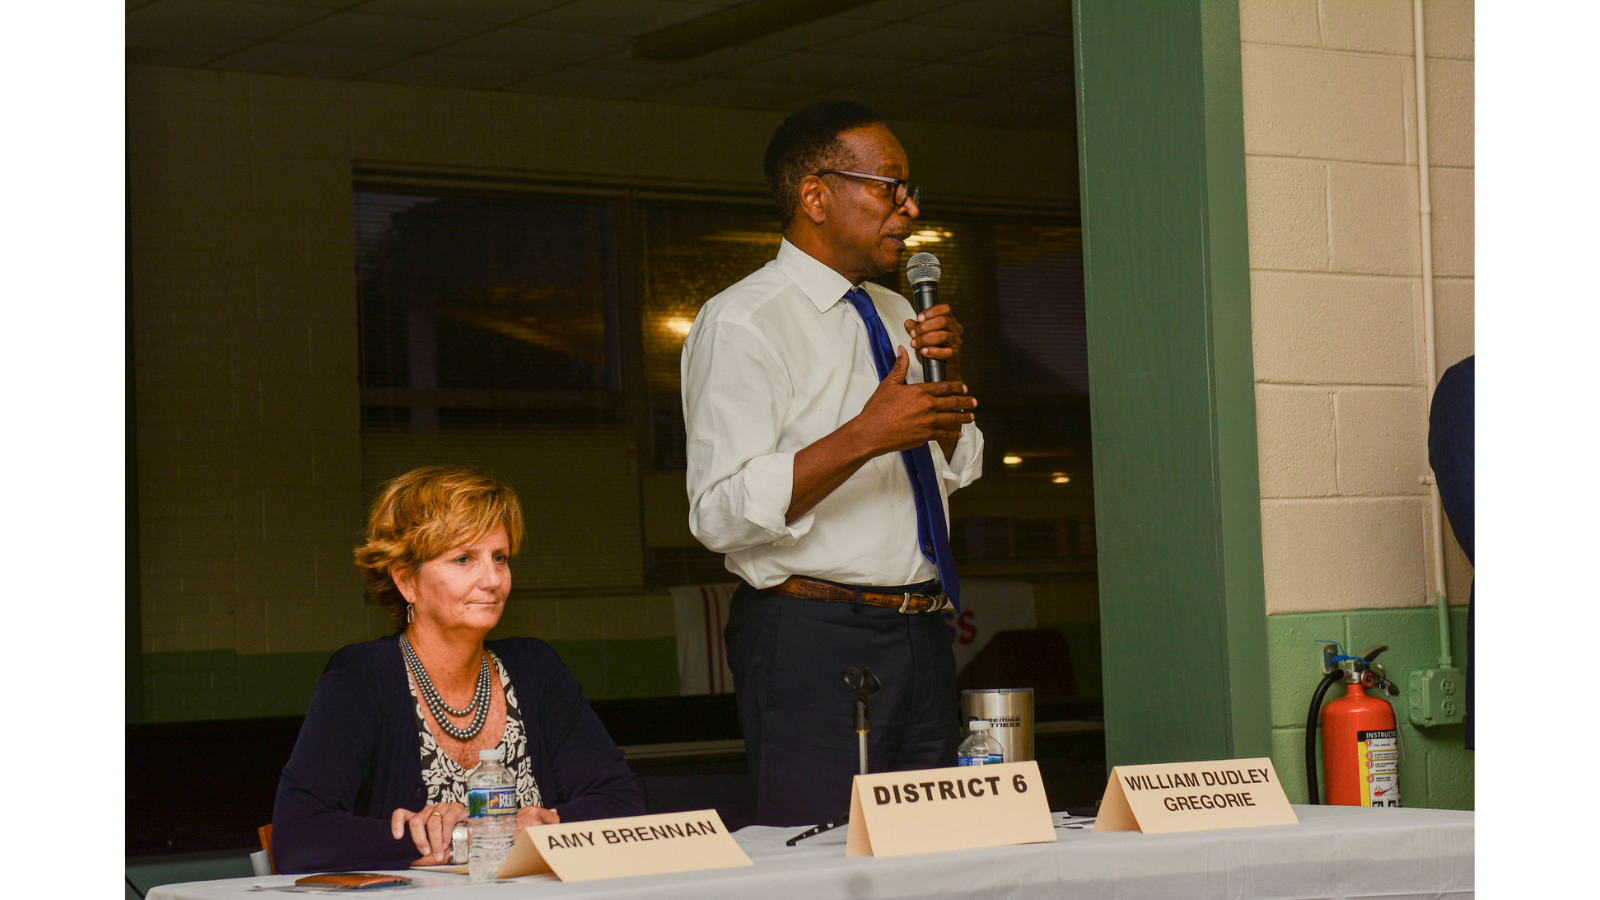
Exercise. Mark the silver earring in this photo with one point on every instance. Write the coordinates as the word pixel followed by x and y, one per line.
pixel 411 613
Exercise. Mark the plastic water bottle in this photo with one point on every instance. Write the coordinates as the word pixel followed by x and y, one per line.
pixel 491 815
pixel 979 749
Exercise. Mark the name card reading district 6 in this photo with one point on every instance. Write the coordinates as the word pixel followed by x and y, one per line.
pixel 635 845
pixel 1194 796
pixel 927 810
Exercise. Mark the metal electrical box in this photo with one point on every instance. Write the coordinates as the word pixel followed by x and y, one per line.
pixel 1437 696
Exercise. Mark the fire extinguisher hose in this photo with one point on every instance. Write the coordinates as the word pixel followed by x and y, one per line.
pixel 1311 723
pixel 1328 681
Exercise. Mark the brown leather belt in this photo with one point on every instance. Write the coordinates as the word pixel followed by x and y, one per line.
pixel 906 601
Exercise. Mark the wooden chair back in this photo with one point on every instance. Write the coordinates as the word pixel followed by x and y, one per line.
pixel 265 834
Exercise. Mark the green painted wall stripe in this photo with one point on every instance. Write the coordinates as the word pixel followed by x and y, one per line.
pixel 1177 497
pixel 222 684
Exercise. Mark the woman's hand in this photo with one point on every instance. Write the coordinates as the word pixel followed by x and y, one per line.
pixel 536 815
pixel 430 828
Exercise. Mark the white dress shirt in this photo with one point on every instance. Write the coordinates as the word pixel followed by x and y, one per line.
pixel 773 364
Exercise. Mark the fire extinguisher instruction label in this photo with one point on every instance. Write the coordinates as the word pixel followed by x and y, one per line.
pixel 1378 758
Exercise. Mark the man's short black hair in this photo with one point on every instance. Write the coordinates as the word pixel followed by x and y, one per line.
pixel 808 141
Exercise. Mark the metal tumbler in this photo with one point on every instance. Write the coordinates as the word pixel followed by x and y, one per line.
pixel 1010 715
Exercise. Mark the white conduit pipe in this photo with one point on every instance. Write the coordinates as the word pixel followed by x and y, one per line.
pixel 1425 207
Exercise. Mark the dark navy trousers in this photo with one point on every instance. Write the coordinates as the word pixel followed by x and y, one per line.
pixel 787 656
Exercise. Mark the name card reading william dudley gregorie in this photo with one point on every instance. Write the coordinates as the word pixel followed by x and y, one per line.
pixel 1194 796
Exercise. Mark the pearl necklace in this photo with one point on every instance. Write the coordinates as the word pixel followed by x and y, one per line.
pixel 436 704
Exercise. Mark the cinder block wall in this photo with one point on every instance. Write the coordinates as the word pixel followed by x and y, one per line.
pixel 1330 119
pixel 242 272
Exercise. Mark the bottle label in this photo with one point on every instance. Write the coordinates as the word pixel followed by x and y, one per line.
pixel 993 759
pixel 492 801
pixel 1378 761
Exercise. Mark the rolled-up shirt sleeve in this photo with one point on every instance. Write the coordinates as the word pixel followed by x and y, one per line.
pixel 966 464
pixel 739 482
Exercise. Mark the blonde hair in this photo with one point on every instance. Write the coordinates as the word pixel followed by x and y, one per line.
pixel 424 513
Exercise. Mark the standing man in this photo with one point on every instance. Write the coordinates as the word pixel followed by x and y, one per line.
pixel 823 474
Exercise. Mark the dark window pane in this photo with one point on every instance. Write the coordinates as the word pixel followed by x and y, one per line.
pixel 693 251
pixel 482 294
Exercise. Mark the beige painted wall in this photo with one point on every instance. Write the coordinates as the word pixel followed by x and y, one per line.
pixel 242 271
pixel 1330 119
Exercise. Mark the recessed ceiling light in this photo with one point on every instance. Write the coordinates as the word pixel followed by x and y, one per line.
pixel 1011 459
pixel 927 236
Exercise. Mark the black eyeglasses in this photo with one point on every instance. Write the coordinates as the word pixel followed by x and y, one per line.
pixel 903 190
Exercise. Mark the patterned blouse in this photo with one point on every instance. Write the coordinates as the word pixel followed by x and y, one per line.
pixel 447 781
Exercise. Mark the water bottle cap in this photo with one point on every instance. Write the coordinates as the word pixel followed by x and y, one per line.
pixel 494 753
pixel 978 724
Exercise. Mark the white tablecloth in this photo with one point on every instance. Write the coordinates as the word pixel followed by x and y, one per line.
pixel 1335 852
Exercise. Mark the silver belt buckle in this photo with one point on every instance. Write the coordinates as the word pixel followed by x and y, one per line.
pixel 935 603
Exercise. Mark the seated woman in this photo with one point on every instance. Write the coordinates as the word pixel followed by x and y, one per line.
pixel 378 775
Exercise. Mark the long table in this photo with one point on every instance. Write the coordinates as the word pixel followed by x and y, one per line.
pixel 1335 852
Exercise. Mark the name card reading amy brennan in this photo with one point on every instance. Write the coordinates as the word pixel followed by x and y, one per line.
pixel 1194 796
pixel 635 845
pixel 925 810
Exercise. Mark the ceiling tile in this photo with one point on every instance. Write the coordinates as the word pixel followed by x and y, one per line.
pixel 627 17
pixel 1055 89
pixel 713 63
pixel 728 92
pixel 917 41
pixel 220 18
pixel 304 59
pixel 141 56
pixel 891 104
pixel 515 44
pixel 810 34
pixel 365 31
pixel 821 69
pixel 319 4
pixel 613 84
pixel 488 12
pixel 951 80
pixel 1022 16
pixel 208 46
pixel 1036 52
pixel 895 10
pixel 1044 103
pixel 453 71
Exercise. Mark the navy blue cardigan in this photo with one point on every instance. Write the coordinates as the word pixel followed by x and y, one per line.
pixel 359 757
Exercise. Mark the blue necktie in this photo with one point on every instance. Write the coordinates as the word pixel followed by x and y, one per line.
pixel 932 534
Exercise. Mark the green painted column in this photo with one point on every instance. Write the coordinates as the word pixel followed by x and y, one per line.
pixel 1167 278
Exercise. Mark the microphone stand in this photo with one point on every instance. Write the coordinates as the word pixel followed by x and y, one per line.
pixel 865 686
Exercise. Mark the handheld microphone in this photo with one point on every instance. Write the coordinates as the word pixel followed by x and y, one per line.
pixel 923 272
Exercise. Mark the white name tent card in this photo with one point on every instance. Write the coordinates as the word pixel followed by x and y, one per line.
pixel 928 810
pixel 1194 796
pixel 635 845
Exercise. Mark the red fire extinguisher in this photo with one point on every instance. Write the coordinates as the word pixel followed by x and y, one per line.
pixel 1360 739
